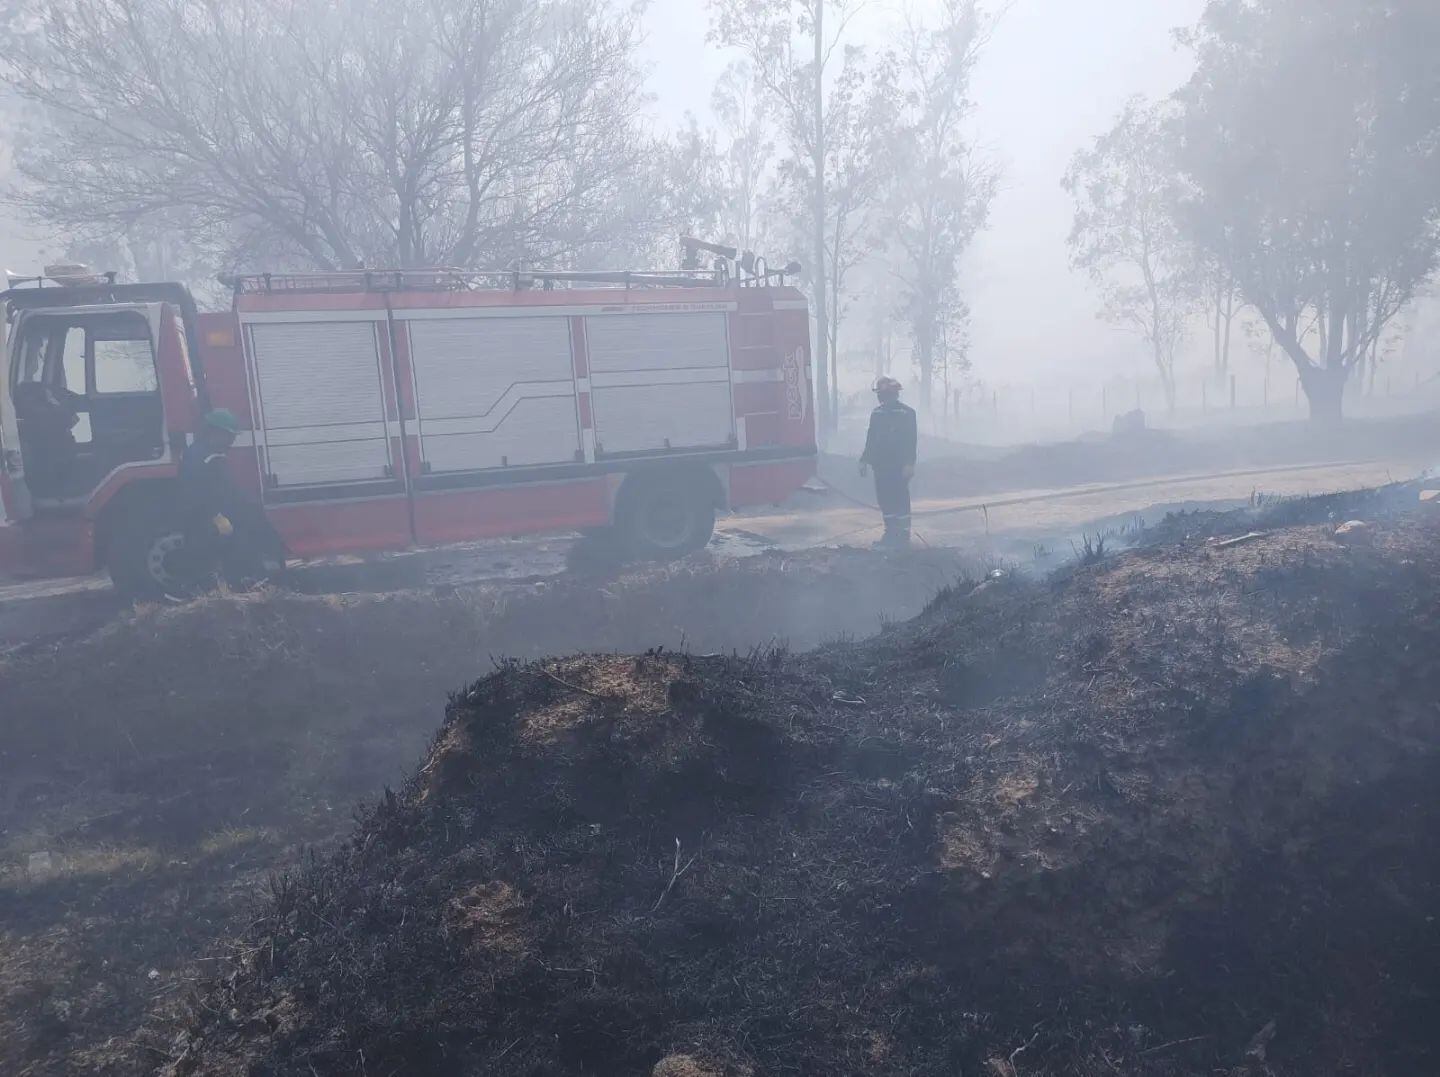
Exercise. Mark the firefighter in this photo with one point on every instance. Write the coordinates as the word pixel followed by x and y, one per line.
pixel 223 526
pixel 890 452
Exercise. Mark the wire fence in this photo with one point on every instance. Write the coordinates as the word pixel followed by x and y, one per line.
pixel 1008 414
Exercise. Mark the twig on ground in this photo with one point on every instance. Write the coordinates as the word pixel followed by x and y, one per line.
pixel 1173 1043
pixel 1023 1048
pixel 1219 544
pixel 573 687
pixel 676 872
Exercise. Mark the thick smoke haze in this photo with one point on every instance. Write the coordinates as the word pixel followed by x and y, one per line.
pixel 1052 80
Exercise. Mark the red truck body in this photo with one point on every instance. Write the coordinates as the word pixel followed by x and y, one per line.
pixel 380 411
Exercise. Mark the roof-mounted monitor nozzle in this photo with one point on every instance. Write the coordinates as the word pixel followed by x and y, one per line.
pixel 693 247
pixel 752 269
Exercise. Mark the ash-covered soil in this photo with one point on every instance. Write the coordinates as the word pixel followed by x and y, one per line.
pixel 1173 813
pixel 154 773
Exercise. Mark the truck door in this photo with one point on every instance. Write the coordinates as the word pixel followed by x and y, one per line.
pixel 82 399
pixel 14 502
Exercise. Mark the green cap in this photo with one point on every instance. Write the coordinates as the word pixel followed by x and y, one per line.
pixel 223 419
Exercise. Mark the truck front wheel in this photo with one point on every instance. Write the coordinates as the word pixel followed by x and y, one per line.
pixel 149 558
pixel 664 518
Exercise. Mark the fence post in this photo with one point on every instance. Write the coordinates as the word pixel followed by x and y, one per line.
pixel 1104 402
pixel 1232 392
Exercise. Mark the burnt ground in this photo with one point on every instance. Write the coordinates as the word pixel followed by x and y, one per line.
pixel 1170 813
pixel 169 761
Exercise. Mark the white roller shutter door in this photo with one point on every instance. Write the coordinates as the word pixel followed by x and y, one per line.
pixel 494 392
pixel 321 402
pixel 660 382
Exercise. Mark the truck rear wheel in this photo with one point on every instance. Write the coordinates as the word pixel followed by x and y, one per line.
pixel 662 518
pixel 149 559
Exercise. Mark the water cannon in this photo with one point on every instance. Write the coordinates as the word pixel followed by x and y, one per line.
pixel 693 247
pixel 751 267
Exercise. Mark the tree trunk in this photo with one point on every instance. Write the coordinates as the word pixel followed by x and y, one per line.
pixel 1166 370
pixel 822 313
pixel 945 380
pixel 835 369
pixel 1229 327
pixel 1219 332
pixel 1325 391
pixel 925 348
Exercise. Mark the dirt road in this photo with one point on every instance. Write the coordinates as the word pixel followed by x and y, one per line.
pixel 1043 516
pixel 1020 526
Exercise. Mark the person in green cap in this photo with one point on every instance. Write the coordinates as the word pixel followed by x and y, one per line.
pixel 221 524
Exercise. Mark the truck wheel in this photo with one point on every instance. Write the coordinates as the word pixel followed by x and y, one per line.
pixel 661 519
pixel 148 560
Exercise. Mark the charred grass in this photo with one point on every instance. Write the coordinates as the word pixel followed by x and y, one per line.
pixel 1170 814
pixel 170 762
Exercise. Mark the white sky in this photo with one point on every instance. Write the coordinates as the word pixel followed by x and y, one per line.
pixel 1054 77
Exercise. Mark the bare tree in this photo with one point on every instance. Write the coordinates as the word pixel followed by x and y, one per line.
pixel 878 288
pixel 943 190
pixel 1126 237
pixel 859 165
pixel 1321 191
pixel 336 134
pixel 747 157
pixel 795 49
pixel 1223 303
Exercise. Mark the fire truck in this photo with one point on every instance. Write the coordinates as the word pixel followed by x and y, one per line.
pixel 389 410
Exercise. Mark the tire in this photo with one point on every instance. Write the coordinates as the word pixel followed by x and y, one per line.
pixel 147 560
pixel 663 518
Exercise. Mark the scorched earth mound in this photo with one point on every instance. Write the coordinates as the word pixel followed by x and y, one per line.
pixel 1174 814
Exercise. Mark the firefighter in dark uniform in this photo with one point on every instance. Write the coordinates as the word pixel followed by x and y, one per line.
pixel 222 526
pixel 890 452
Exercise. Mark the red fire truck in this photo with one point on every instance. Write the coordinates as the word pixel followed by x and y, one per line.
pixel 386 410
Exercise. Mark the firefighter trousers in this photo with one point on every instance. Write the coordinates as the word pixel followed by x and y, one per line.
pixel 892 494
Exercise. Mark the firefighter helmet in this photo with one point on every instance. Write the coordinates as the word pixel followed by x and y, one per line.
pixel 223 419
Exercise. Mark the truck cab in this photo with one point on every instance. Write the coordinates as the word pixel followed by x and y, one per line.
pixel 96 395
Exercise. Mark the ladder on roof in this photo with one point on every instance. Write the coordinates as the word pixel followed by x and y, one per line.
pixel 465 280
